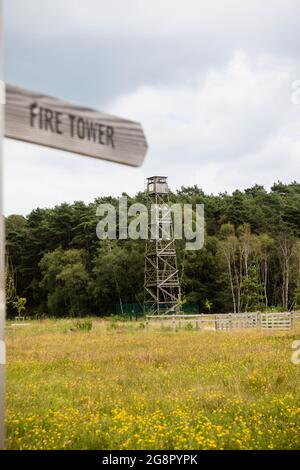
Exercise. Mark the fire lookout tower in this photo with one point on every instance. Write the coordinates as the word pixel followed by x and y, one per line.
pixel 161 283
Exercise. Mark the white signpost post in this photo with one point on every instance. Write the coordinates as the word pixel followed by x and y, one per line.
pixel 40 119
pixel 2 283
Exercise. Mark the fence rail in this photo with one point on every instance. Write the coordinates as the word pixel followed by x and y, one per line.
pixel 229 321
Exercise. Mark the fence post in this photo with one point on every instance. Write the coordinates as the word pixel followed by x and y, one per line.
pixel 174 323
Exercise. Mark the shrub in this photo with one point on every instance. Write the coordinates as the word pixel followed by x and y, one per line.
pixel 82 325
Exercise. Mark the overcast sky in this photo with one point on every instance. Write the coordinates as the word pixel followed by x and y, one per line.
pixel 211 82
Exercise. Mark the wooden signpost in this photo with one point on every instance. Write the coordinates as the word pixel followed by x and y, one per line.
pixel 51 122
pixel 39 119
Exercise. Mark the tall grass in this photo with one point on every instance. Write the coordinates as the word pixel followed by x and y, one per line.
pixel 125 387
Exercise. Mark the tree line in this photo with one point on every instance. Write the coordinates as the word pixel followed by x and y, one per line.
pixel 250 259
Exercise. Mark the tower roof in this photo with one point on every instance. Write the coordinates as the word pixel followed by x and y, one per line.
pixel 154 177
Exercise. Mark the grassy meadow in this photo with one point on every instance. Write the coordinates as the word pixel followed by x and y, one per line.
pixel 120 386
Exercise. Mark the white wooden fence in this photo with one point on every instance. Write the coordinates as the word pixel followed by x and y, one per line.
pixel 228 321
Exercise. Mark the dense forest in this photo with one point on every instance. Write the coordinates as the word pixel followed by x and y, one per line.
pixel 250 260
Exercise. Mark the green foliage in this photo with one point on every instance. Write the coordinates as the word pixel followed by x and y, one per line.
pixel 297 297
pixel 65 279
pixel 252 295
pixel 117 274
pixel 61 267
pixel 82 325
pixel 113 324
pixel 20 305
pixel 208 305
pixel 10 287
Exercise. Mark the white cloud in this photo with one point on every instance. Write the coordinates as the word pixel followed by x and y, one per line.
pixel 277 160
pixel 209 80
pixel 224 125
pixel 39 177
pixel 231 128
pixel 140 18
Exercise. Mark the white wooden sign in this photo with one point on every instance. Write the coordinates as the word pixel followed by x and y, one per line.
pixel 40 119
